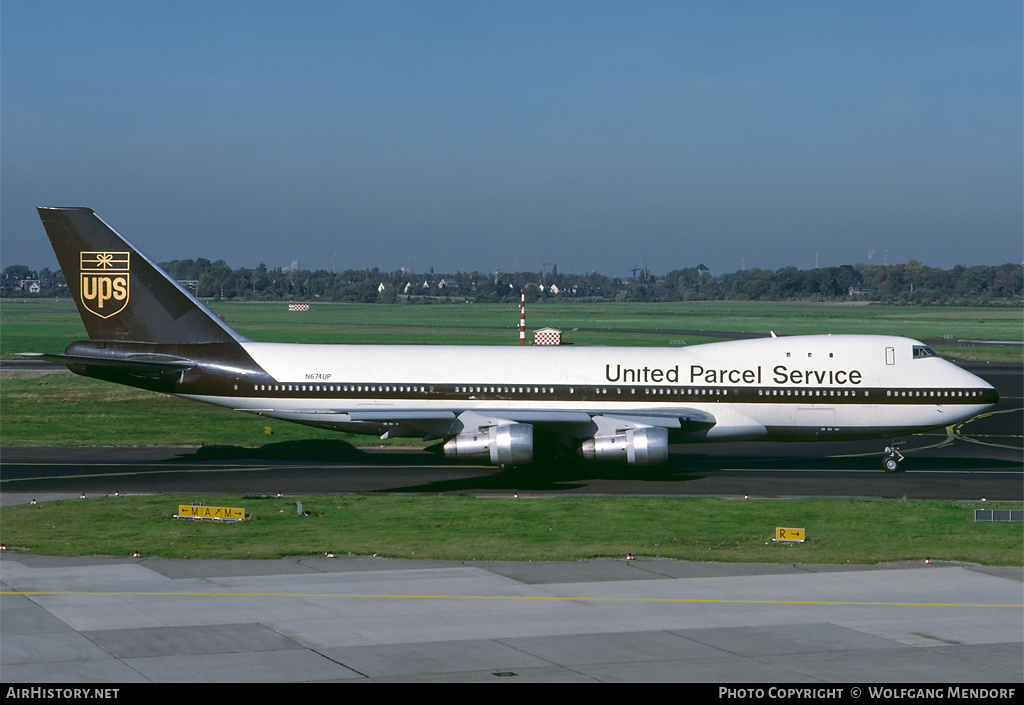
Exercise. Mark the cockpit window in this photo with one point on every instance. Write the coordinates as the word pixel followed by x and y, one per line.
pixel 921 351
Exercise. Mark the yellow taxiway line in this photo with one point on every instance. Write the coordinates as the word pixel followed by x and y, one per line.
pixel 683 600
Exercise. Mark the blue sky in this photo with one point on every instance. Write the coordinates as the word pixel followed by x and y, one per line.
pixel 482 135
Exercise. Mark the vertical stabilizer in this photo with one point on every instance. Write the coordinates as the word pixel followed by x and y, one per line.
pixel 121 295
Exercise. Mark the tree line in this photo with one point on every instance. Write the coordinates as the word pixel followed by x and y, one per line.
pixel 909 283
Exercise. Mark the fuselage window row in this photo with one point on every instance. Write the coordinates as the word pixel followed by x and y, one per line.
pixel 691 393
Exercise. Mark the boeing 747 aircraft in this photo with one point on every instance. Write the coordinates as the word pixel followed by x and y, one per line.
pixel 493 403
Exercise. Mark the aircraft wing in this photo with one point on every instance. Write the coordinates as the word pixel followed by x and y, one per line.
pixel 440 423
pixel 666 418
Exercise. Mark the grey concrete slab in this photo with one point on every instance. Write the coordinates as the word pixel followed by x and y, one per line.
pixel 190 640
pixel 548 674
pixel 907 665
pixel 302 620
pixel 1008 657
pixel 52 648
pixel 108 670
pixel 715 670
pixel 179 570
pixel 1001 571
pixel 427 659
pixel 250 667
pixel 788 639
pixel 19 615
pixel 540 572
pixel 604 570
pixel 625 647
pixel 80 576
pixel 62 562
pixel 950 626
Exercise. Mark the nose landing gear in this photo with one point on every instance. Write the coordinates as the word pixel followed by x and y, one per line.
pixel 891 461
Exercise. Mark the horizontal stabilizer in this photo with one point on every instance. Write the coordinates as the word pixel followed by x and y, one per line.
pixel 148 365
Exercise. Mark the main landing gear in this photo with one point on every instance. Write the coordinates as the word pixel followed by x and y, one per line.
pixel 891 461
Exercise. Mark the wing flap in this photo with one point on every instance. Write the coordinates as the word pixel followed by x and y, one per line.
pixel 353 415
pixel 690 419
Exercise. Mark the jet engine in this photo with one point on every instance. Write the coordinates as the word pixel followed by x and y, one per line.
pixel 638 446
pixel 508 444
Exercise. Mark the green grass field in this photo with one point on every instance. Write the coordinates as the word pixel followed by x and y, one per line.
pixel 48 326
pixel 556 528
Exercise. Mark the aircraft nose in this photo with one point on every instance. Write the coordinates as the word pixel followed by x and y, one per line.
pixel 973 385
pixel 989 394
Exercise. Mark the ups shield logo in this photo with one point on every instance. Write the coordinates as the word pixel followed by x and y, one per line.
pixel 104 282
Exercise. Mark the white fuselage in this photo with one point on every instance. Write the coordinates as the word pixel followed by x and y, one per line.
pixel 801 387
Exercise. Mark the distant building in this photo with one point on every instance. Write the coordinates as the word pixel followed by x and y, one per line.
pixel 547 336
pixel 31 285
pixel 702 269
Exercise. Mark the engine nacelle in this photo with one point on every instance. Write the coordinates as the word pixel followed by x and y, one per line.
pixel 638 446
pixel 508 444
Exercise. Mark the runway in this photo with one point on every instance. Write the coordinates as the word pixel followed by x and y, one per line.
pixel 776 470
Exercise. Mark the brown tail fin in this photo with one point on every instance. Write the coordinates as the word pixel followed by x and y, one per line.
pixel 121 295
